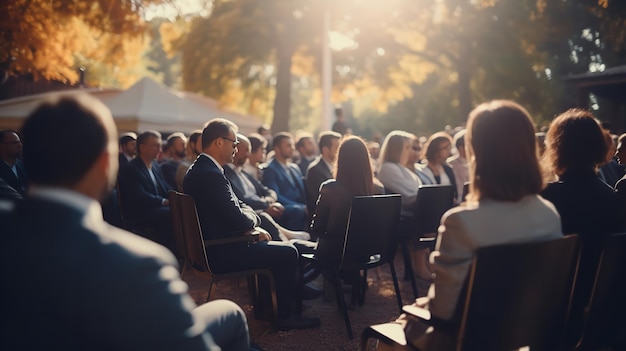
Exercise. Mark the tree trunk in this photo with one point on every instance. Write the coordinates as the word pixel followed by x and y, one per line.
pixel 282 102
pixel 463 64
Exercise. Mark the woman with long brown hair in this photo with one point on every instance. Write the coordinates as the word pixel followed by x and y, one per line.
pixel 353 177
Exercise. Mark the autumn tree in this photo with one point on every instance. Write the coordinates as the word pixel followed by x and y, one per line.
pixel 50 39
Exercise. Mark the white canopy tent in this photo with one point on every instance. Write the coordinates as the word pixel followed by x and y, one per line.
pixel 145 105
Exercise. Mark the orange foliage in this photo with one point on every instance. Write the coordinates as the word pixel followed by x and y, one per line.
pixel 49 39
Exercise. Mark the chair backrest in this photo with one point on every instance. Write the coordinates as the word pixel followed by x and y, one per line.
pixel 431 203
pixel 372 230
pixel 192 234
pixel 607 308
pixel 519 295
pixel 177 224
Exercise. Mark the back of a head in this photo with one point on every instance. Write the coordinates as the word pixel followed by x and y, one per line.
pixel 501 147
pixel 353 168
pixel 575 141
pixel 64 137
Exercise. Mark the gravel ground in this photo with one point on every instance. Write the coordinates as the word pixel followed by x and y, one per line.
pixel 380 307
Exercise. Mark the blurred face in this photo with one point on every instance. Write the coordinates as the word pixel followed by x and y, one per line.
pixel 406 151
pixel 258 156
pixel 243 152
pixel 228 147
pixel 334 146
pixel 308 147
pixel 130 148
pixel 178 147
pixel 198 146
pixel 416 152
pixel 445 151
pixel 620 153
pixel 285 149
pixel 150 148
pixel 11 147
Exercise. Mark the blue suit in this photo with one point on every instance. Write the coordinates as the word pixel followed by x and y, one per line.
pixel 289 188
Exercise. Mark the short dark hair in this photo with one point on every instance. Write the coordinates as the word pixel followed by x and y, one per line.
pixel 143 137
pixel 326 139
pixel 302 138
pixel 178 135
pixel 127 137
pixel 256 142
pixel 434 142
pixel 57 126
pixel 575 140
pixel 216 128
pixel 459 138
pixel 278 138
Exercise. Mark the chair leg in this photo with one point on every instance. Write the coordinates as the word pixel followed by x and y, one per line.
pixel 341 302
pixel 408 267
pixel 363 288
pixel 392 268
pixel 210 288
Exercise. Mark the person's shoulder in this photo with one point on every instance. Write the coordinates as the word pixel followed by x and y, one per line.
pixel 122 246
pixel 330 184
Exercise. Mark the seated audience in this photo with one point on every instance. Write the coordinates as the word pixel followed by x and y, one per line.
pixel 435 170
pixel 192 150
pixel 223 215
pixel 256 195
pixel 320 169
pixel 575 148
pixel 503 207
pixel 285 179
pixel 353 177
pixel 11 168
pixel 143 192
pixel 459 165
pixel 105 289
pixel 171 157
pixel 258 152
pixel 128 148
pixel 306 150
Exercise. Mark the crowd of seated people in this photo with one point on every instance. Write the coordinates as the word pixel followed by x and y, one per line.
pixel 294 211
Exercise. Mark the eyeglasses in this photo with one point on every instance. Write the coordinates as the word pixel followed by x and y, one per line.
pixel 235 142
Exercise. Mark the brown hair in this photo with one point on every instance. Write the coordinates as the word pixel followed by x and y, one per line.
pixel 434 142
pixel 575 140
pixel 392 146
pixel 353 169
pixel 502 151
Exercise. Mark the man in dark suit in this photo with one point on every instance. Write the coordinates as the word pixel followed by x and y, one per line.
pixel 143 192
pixel 306 148
pixel 223 215
pixel 103 288
pixel 128 148
pixel 320 170
pixel 285 179
pixel 11 168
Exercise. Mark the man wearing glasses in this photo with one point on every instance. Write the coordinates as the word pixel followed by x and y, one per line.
pixel 223 215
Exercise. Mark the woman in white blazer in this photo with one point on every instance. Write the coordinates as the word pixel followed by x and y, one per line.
pixel 503 205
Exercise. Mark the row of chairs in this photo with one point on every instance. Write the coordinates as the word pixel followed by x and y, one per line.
pixel 518 295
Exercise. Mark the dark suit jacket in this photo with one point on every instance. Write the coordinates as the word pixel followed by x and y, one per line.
pixel 238 188
pixel 88 288
pixel 276 178
pixel 123 161
pixel 220 212
pixel 304 164
pixel 589 208
pixel 138 195
pixel 317 173
pixel 9 177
